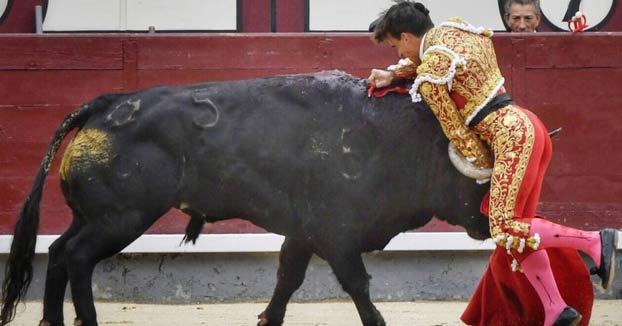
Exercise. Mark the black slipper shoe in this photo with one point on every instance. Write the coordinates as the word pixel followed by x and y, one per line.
pixel 608 247
pixel 568 317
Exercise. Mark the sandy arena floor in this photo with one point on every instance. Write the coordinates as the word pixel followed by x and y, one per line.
pixel 439 313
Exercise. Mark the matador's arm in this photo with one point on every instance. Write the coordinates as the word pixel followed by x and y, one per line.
pixel 434 79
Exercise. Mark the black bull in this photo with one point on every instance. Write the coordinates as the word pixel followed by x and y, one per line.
pixel 306 156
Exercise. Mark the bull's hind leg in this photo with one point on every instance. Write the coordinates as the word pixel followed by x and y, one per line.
pixel 351 273
pixel 293 262
pixel 94 242
pixel 56 279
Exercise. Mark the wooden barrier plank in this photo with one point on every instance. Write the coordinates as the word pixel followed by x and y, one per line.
pixel 21 18
pixel 130 65
pixel 237 51
pixel 21 158
pixel 575 188
pixel 584 215
pixel 355 52
pixel 576 155
pixel 290 15
pixel 503 47
pixel 580 86
pixel 296 51
pixel 55 215
pixel 45 87
pixel 41 122
pixel 505 57
pixel 518 70
pixel 256 16
pixel 553 50
pixel 16 189
pixel 60 52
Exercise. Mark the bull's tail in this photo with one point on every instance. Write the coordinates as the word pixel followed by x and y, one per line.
pixel 18 269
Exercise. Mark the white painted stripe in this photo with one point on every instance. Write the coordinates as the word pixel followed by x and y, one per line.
pixel 269 242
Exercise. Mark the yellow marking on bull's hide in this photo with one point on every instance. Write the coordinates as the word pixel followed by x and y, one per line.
pixel 89 146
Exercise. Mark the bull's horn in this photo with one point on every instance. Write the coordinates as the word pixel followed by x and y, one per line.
pixel 465 167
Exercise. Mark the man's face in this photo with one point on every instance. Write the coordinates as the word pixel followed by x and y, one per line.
pixel 522 18
pixel 407 46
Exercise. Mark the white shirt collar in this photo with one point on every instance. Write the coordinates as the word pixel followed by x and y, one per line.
pixel 421 45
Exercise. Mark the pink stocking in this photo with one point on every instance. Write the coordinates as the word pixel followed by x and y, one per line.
pixel 559 236
pixel 537 269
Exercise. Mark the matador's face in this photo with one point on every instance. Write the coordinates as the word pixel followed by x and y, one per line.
pixel 407 46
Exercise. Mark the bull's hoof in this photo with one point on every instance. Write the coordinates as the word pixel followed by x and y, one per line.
pixel 47 323
pixel 264 321
pixel 78 322
pixel 379 321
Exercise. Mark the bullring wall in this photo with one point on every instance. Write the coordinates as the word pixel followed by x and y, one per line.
pixel 571 81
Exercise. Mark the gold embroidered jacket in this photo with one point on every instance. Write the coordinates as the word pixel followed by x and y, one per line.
pixel 457 77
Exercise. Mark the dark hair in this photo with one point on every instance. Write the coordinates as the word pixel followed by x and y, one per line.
pixel 403 17
pixel 509 3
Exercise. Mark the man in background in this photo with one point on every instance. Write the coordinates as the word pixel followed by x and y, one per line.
pixel 522 15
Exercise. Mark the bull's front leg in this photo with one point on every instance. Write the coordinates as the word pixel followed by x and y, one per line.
pixel 351 273
pixel 293 262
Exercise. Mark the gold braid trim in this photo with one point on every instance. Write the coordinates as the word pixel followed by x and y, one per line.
pixel 511 242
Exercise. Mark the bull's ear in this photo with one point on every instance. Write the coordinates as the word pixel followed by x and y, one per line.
pixel 375 23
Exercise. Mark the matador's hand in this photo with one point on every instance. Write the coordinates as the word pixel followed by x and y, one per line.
pixel 380 78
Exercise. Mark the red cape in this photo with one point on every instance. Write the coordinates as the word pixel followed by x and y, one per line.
pixel 505 298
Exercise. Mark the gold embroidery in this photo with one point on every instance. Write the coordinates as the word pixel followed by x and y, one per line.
pixel 465 140
pixel 519 227
pixel 481 78
pixel 476 83
pixel 511 136
pixel 437 66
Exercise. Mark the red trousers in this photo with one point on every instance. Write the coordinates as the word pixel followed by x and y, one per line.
pixel 522 150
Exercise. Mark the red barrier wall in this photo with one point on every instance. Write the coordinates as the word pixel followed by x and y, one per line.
pixel 571 81
pixel 267 16
pixel 19 17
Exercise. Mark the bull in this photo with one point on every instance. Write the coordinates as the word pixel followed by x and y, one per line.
pixel 310 157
